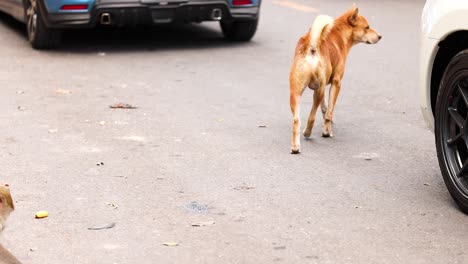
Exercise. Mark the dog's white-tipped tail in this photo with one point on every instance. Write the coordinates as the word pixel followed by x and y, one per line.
pixel 319 31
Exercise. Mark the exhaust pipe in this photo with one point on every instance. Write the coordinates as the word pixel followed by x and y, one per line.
pixel 106 19
pixel 216 14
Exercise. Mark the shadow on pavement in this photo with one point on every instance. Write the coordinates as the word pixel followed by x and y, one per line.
pixel 13 24
pixel 169 37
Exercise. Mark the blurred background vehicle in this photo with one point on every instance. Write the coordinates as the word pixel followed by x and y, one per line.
pixel 45 19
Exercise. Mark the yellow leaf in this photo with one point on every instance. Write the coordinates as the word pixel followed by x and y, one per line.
pixel 42 214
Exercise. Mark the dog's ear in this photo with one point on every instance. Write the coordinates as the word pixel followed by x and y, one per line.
pixel 352 19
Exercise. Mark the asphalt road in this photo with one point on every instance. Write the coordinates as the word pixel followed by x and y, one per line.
pixel 195 149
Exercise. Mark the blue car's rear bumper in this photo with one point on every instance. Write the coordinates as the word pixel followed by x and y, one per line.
pixel 135 12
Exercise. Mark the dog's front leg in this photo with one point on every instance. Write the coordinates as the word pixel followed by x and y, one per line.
pixel 334 91
pixel 318 100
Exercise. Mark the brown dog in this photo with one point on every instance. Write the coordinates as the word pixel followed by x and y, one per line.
pixel 319 60
pixel 6 207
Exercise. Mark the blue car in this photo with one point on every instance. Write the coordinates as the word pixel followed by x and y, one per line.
pixel 45 19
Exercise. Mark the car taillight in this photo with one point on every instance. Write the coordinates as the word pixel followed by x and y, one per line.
pixel 74 7
pixel 241 2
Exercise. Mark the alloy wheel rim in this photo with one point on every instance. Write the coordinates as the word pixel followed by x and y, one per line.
pixel 31 16
pixel 455 131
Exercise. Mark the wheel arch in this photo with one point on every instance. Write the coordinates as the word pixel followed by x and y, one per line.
pixel 448 48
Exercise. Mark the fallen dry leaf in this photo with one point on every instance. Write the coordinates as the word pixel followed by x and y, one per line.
pixel 171 244
pixel 112 205
pixel 203 223
pixel 243 187
pixel 122 106
pixel 279 248
pixel 62 91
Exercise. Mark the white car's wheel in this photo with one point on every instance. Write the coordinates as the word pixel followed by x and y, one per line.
pixel 451 128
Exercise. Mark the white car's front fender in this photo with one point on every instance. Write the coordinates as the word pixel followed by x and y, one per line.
pixel 440 18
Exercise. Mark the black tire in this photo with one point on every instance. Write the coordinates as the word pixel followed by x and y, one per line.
pixel 451 128
pixel 39 35
pixel 241 30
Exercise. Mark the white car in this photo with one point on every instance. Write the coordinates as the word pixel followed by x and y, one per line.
pixel 444 89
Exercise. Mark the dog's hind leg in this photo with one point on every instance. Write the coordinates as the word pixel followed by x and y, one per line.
pixel 334 91
pixel 296 89
pixel 323 105
pixel 295 101
pixel 318 100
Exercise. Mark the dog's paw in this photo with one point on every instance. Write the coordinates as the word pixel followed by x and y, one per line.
pixel 295 150
pixel 327 134
pixel 307 133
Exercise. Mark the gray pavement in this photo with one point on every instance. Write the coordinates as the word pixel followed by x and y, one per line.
pixel 193 150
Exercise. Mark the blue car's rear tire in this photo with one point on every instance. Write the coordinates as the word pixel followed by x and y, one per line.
pixel 242 30
pixel 39 35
